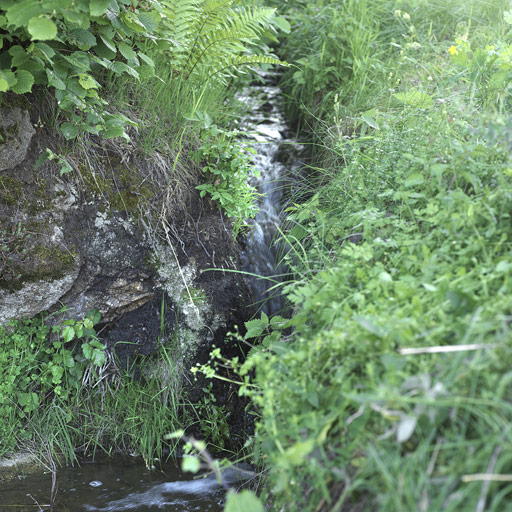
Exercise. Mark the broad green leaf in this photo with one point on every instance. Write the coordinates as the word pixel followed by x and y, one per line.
pixel 25 81
pixel 84 38
pixel 190 464
pixel 55 81
pixel 103 51
pixel 150 20
pixel 68 333
pixel 42 28
pixel 4 86
pixel 414 97
pixel 245 501
pixel 296 453
pixel 20 13
pixel 98 357
pixel 255 327
pixel 87 81
pixel 19 55
pixel 146 59
pixel 283 24
pixel 413 180
pixel 69 130
pixel 8 77
pixel 47 51
pixel 126 51
pixel 384 276
pixel 507 16
pixel 109 44
pixel 112 132
pixel 369 326
pixel 99 7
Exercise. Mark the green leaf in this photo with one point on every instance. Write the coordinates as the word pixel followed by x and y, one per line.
pixel 47 51
pixel 19 55
pixel 69 130
pixel 245 501
pixel 20 13
pixel 296 453
pixel 55 81
pixel 98 357
pixel 126 51
pixel 507 16
pixel 109 44
pixel 4 86
pixel 369 326
pixel 45 155
pixel 413 180
pixel 190 464
pixel 99 7
pixel 150 20
pixel 68 333
pixel 255 327
pixel 84 38
pixel 146 59
pixel 42 28
pixel 87 81
pixel 283 24
pixel 24 83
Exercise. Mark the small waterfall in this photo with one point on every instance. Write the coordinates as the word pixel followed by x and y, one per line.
pixel 266 130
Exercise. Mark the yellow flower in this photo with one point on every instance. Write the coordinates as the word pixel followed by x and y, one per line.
pixel 452 50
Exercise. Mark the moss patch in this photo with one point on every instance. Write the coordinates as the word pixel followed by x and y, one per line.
pixel 27 260
pixel 10 190
pixel 124 190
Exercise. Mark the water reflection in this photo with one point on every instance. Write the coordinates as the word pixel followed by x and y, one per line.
pixel 115 486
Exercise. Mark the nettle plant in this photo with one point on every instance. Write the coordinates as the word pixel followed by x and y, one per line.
pixel 228 167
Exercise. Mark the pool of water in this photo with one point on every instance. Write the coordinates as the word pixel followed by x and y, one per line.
pixel 121 484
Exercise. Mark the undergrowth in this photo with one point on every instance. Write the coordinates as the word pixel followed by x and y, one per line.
pixel 391 392
pixel 62 391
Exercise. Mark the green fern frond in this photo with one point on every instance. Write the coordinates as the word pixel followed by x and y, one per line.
pixel 213 34
pixel 235 62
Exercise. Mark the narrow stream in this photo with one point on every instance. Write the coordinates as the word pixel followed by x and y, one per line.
pixel 120 484
pixel 267 131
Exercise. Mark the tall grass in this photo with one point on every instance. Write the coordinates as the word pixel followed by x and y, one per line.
pixel 392 392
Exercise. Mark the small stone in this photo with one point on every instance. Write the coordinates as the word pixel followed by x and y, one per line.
pixel 95 483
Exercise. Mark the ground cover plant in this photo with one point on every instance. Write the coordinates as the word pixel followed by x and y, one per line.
pixel 392 391
pixel 64 395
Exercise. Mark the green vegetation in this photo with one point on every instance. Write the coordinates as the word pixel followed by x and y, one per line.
pixel 61 389
pixel 392 390
pixel 385 386
pixel 228 168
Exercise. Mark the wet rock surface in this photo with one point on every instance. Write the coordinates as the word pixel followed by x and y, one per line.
pixel 75 241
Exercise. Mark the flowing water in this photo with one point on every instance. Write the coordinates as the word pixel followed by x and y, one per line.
pixel 267 131
pixel 118 485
